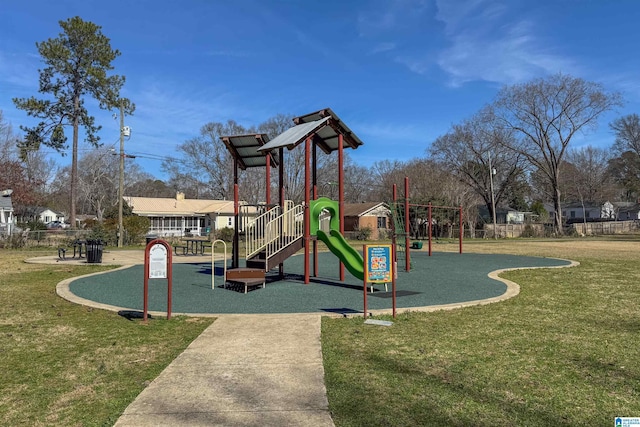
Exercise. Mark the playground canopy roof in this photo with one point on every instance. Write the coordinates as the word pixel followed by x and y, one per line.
pixel 245 148
pixel 324 125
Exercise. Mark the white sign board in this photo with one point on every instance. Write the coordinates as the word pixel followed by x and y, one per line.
pixel 158 262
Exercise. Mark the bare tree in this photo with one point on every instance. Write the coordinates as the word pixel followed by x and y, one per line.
pixel 627 132
pixel 16 174
pixel 625 171
pixel 547 113
pixel 98 181
pixel 206 164
pixel 385 174
pixel 589 175
pixel 473 151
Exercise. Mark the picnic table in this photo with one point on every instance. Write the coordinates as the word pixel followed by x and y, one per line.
pixel 79 249
pixel 192 246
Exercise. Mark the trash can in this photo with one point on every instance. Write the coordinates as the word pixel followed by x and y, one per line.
pixel 94 251
pixel 151 237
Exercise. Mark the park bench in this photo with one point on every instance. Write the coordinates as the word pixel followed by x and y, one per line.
pixel 245 277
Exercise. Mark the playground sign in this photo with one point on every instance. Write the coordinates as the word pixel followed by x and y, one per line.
pixel 157 265
pixel 158 262
pixel 378 268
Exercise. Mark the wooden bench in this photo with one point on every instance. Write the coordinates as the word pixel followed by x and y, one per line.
pixel 246 277
pixel 184 249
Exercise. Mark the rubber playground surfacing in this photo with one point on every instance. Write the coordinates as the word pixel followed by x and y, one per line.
pixel 443 278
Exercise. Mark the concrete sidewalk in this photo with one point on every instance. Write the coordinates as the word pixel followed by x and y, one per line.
pixel 244 370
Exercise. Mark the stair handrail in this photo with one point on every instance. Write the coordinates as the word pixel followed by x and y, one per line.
pixel 255 231
pixel 284 230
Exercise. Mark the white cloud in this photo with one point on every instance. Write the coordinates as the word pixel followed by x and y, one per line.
pixel 19 70
pixel 383 47
pixel 487 44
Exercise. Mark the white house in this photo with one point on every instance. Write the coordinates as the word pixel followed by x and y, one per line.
pixel 42 214
pixel 173 217
pixel 6 213
pixel 590 211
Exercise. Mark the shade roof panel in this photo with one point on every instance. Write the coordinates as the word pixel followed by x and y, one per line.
pixel 245 149
pixel 325 127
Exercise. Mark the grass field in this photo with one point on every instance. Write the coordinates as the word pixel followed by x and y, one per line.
pixel 563 352
pixel 62 364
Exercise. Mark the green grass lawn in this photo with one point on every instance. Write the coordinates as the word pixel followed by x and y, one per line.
pixel 563 352
pixel 62 364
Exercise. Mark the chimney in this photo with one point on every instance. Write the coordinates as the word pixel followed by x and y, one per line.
pixel 179 195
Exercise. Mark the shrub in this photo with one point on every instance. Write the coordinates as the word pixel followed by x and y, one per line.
pixel 225 234
pixel 135 228
pixel 362 233
pixel 528 231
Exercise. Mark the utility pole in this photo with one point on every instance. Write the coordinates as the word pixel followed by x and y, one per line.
pixel 121 186
pixel 493 200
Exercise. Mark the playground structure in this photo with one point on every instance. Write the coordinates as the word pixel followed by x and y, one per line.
pixel 413 223
pixel 284 228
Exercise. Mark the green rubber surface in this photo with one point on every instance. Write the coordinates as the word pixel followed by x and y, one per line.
pixel 443 278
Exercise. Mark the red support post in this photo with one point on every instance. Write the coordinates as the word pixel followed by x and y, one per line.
pixel 268 180
pixel 315 241
pixel 394 239
pixel 281 196
pixel 307 217
pixel 407 252
pixel 430 222
pixel 341 192
pixel 461 228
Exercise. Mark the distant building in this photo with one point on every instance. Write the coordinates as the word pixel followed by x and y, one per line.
pixel 374 216
pixel 40 213
pixel 6 213
pixel 174 216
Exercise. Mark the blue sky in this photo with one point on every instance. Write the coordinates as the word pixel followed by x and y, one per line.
pixel 399 73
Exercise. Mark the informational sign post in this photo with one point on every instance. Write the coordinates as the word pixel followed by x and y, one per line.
pixel 158 262
pixel 378 268
pixel 157 265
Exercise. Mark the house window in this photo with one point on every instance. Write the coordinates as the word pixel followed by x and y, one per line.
pixel 382 222
pixel 588 214
pixel 573 214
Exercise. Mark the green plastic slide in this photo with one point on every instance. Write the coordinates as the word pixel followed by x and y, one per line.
pixel 350 257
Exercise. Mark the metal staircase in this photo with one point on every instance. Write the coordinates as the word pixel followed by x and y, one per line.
pixel 274 236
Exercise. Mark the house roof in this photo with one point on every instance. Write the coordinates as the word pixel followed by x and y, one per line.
pixel 362 209
pixel 162 206
pixel 5 203
pixel 634 207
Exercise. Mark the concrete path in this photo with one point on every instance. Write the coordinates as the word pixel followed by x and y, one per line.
pixel 244 370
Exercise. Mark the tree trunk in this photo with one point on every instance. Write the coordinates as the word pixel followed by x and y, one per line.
pixel 558 212
pixel 74 164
